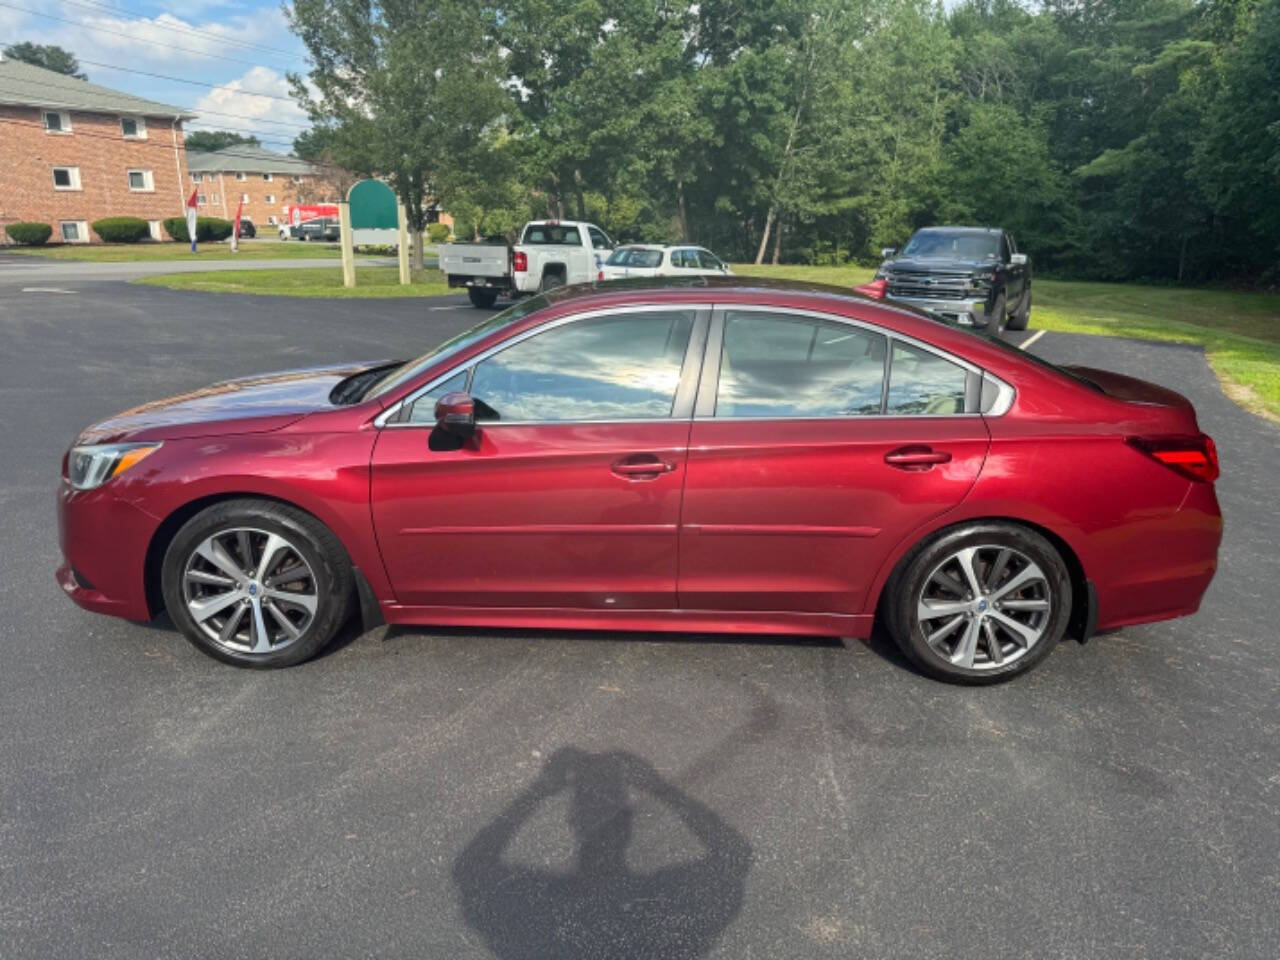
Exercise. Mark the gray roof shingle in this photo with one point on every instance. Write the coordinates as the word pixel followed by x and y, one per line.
pixel 25 85
pixel 242 158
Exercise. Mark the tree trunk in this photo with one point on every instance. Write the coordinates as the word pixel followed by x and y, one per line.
pixel 577 191
pixel 777 243
pixel 684 213
pixel 416 261
pixel 764 237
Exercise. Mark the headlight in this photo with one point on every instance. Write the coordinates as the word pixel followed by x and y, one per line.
pixel 981 281
pixel 92 466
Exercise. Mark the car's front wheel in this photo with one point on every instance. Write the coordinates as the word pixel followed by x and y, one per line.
pixel 256 583
pixel 484 299
pixel 980 603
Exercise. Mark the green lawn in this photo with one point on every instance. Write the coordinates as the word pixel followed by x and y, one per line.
pixel 371 283
pixel 178 252
pixel 1239 331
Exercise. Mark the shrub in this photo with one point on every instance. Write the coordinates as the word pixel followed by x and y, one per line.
pixel 208 229
pixel 437 233
pixel 29 234
pixel 121 229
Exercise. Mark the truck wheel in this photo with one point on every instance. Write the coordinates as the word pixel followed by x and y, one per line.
pixel 1020 319
pixel 996 318
pixel 550 281
pixel 484 299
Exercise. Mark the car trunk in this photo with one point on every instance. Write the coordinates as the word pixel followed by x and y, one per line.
pixel 1173 411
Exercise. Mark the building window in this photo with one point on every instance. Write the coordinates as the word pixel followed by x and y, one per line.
pixel 66 178
pixel 140 181
pixel 240 177
pixel 200 200
pixel 56 121
pixel 244 198
pixel 272 220
pixel 296 178
pixel 268 177
pixel 74 231
pixel 133 128
pixel 197 178
pixel 154 227
pixel 270 198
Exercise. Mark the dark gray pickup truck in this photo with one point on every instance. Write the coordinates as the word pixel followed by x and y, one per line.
pixel 972 276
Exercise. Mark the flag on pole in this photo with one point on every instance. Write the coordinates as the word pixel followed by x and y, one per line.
pixel 235 229
pixel 191 219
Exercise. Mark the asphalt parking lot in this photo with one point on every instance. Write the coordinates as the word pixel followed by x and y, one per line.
pixel 460 794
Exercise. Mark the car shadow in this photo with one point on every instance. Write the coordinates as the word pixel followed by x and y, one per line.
pixel 601 905
pixel 397 632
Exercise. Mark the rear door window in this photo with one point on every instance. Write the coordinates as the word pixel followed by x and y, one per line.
pixel 790 366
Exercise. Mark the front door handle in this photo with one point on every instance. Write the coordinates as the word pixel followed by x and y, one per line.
pixel 642 466
pixel 916 458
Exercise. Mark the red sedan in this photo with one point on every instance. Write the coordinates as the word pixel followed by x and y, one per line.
pixel 731 455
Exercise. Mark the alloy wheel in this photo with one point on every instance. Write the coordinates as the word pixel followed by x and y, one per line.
pixel 249 590
pixel 984 607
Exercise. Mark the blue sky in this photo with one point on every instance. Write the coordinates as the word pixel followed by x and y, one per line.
pixel 241 47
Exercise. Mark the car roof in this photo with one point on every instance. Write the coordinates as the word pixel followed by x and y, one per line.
pixel 660 246
pixel 947 229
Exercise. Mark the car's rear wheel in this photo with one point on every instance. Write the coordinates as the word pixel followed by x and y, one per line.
pixel 484 299
pixel 550 281
pixel 256 583
pixel 980 603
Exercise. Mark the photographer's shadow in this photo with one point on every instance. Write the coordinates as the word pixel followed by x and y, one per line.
pixel 600 907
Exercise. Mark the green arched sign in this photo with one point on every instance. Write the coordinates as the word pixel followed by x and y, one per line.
pixel 373 206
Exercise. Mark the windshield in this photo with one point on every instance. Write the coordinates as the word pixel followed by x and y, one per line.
pixel 635 257
pixel 548 233
pixel 407 371
pixel 953 245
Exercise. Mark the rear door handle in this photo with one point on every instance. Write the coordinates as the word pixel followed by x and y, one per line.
pixel 642 466
pixel 916 458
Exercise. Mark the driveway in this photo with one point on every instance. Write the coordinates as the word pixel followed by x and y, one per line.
pixel 472 794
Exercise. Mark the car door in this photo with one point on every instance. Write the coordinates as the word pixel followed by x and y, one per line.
pixel 1017 273
pixel 601 247
pixel 709 263
pixel 569 494
pixel 818 444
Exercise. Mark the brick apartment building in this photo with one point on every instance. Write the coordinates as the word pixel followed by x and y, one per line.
pixel 72 152
pixel 266 181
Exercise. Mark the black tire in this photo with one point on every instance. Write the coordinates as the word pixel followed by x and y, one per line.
pixel 329 576
pixel 906 588
pixel 995 320
pixel 484 299
pixel 1022 317
pixel 550 281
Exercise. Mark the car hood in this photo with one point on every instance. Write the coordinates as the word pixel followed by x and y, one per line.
pixel 939 265
pixel 255 404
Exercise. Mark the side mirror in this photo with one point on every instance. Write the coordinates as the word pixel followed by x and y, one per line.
pixel 456 414
pixel 1018 259
pixel 887 252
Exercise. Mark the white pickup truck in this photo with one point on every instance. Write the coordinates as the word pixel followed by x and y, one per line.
pixel 550 253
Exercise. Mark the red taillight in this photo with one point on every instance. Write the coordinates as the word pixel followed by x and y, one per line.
pixel 1194 457
pixel 520 262
pixel 599 274
pixel 875 289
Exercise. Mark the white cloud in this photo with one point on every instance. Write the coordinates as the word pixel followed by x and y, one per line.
pixel 238 105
